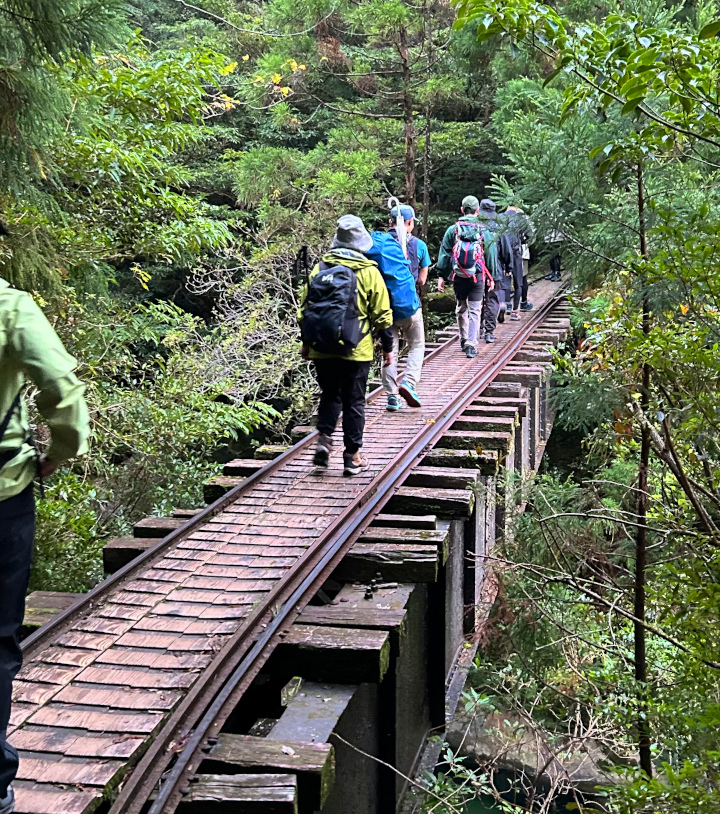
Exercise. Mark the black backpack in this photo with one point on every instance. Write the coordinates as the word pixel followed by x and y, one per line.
pixel 331 320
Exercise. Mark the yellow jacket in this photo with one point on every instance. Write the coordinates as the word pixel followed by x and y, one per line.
pixel 372 298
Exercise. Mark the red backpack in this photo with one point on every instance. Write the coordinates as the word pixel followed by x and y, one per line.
pixel 468 254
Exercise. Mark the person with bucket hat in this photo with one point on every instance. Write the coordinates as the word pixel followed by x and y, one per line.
pixel 344 298
pixel 468 258
pixel 411 328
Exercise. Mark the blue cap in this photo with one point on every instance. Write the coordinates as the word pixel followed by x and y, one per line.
pixel 407 212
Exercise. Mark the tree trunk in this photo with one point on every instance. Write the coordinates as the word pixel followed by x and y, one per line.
pixel 410 181
pixel 427 14
pixel 642 509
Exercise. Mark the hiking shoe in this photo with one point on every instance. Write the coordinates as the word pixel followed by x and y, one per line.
pixel 527 306
pixel 322 454
pixel 515 316
pixel 407 391
pixel 490 338
pixel 470 351
pixel 393 403
pixel 354 464
pixel 463 344
pixel 7 803
pixel 501 314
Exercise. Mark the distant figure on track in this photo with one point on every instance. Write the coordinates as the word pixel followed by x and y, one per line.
pixel 345 297
pixel 29 349
pixel 517 234
pixel 468 258
pixel 402 288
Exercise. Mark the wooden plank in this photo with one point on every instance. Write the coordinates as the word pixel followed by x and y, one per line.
pixel 502 410
pixel 186 513
pixel 157 527
pixel 216 487
pixel 41 799
pixel 243 466
pixel 269 451
pixel 452 503
pixel 321 653
pixel 463 439
pixel 42 606
pixel 486 464
pixel 397 562
pixel 241 794
pixel 406 521
pixel 445 477
pixel 485 423
pixel 119 551
pixel 301 431
pixel 312 763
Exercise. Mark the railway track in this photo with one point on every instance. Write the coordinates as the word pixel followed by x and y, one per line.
pixel 122 695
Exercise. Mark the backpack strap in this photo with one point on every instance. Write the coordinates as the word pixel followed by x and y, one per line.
pixel 9 454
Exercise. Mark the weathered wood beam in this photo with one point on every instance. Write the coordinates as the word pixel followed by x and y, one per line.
pixel 312 763
pixel 243 466
pixel 485 464
pixel 320 653
pixel 241 794
pixel 157 527
pixel 453 503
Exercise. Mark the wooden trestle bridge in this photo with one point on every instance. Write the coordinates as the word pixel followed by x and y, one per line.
pixel 273 651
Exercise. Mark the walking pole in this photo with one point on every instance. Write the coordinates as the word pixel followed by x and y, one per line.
pixel 399 224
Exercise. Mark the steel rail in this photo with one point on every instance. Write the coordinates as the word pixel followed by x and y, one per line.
pixel 205 708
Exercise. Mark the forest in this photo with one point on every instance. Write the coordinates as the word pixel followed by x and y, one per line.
pixel 162 164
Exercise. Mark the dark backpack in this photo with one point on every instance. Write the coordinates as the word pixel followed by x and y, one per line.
pixel 468 254
pixel 331 320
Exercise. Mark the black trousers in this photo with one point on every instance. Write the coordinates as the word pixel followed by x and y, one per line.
pixel 491 308
pixel 343 384
pixel 520 286
pixel 17 532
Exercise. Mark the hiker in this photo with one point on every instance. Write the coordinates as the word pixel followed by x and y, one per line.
pixel 555 239
pixel 517 233
pixel 487 217
pixel 468 258
pixel 405 305
pixel 29 349
pixel 344 298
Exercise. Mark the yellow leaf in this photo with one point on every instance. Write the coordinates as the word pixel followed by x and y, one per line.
pixel 275 78
pixel 246 58
pixel 302 67
pixel 285 91
pixel 228 69
pixel 684 309
pixel 293 65
pixel 479 449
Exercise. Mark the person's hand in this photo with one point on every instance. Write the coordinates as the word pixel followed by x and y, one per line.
pixel 305 352
pixel 491 284
pixel 441 284
pixel 387 359
pixel 47 466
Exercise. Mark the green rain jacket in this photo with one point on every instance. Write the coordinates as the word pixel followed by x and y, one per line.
pixel 30 349
pixel 372 296
pixel 444 263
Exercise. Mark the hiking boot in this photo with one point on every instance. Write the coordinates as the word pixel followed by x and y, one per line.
pixel 490 338
pixel 407 391
pixel 7 803
pixel 515 316
pixel 501 314
pixel 470 351
pixel 322 454
pixel 463 344
pixel 354 464
pixel 527 306
pixel 393 403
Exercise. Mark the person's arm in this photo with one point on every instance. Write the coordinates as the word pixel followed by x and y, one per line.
pixel 42 357
pixel 424 263
pixel 380 313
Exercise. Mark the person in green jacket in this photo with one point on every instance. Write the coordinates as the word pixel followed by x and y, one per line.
pixel 343 378
pixel 29 349
pixel 474 298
